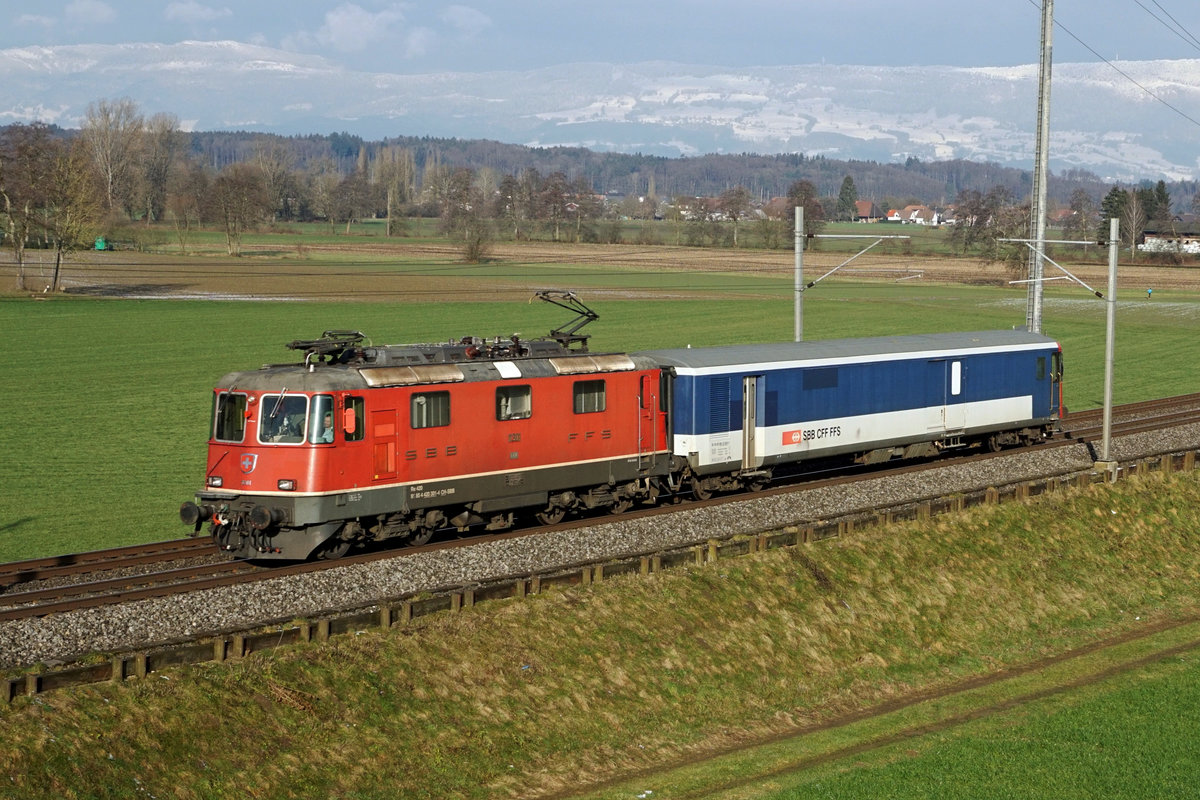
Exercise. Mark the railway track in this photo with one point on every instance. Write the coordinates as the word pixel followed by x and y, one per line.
pixel 58 584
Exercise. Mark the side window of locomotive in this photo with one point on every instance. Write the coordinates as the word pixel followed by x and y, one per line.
pixel 281 418
pixel 1041 368
pixel 229 417
pixel 321 423
pixel 354 424
pixel 514 402
pixel 430 409
pixel 589 397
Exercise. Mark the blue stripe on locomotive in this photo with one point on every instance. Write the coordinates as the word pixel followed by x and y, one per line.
pixel 712 402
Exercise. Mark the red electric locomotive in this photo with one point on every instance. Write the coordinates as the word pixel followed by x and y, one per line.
pixel 361 443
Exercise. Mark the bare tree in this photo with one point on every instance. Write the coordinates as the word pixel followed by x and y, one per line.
pixel 804 193
pixel 188 188
pixel 323 179
pixel 275 160
pixel 352 199
pixel 71 206
pixel 24 159
pixel 552 202
pixel 112 130
pixel 1133 222
pixel 239 199
pixel 163 143
pixel 396 172
pixel 583 204
pixel 734 204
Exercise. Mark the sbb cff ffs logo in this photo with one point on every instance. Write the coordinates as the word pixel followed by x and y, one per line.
pixel 793 437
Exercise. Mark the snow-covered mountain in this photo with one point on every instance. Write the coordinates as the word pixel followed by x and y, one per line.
pixel 1131 120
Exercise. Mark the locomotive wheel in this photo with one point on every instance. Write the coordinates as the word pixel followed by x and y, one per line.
pixel 551 516
pixel 420 536
pixel 756 485
pixel 333 549
pixel 698 490
pixel 621 505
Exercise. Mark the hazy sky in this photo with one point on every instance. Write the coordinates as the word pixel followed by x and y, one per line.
pixel 413 37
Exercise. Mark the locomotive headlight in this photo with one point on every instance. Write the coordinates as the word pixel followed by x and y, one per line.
pixel 215 481
pixel 287 485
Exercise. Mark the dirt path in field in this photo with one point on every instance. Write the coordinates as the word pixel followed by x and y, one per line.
pixel 369 270
pixel 1119 667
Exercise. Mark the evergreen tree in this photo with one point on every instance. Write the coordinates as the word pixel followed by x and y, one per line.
pixel 847 208
pixel 1113 205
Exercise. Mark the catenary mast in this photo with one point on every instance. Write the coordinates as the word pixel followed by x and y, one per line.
pixel 1033 310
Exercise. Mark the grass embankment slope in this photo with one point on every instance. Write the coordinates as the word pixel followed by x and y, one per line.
pixel 563 692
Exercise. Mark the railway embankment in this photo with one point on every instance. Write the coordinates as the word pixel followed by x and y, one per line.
pixel 571 687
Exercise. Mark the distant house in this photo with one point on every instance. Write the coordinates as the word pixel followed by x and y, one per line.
pixel 1171 238
pixel 893 215
pixel 1061 217
pixel 919 215
pixel 867 211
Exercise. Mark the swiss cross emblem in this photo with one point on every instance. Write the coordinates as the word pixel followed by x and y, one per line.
pixel 793 437
pixel 249 461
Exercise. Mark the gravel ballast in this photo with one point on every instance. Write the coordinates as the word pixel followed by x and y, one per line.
pixel 130 626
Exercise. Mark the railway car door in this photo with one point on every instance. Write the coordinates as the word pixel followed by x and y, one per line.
pixel 752 413
pixel 647 421
pixel 947 377
pixel 1056 376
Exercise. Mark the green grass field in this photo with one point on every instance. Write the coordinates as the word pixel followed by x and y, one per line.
pixel 108 400
pixel 107 407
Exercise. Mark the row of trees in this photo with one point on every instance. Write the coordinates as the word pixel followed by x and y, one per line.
pixel 59 189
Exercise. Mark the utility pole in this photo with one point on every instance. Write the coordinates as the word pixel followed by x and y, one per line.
pixel 1033 309
pixel 798 302
pixel 1105 461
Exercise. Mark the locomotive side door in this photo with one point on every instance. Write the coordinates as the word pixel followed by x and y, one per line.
pixel 752 396
pixel 383 434
pixel 647 431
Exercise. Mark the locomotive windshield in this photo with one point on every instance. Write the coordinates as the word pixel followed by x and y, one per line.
pixel 282 420
pixel 229 417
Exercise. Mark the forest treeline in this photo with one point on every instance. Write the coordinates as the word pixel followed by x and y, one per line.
pixel 60 188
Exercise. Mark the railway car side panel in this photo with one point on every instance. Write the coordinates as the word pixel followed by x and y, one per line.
pixel 834 408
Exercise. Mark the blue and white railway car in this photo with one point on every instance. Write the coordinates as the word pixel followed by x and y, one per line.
pixel 739 411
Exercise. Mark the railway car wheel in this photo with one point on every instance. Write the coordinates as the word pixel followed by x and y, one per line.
pixel 699 490
pixel 551 516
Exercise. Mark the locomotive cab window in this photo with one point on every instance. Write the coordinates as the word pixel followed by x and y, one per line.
pixel 589 397
pixel 1041 368
pixel 430 409
pixel 281 418
pixel 513 402
pixel 229 417
pixel 321 421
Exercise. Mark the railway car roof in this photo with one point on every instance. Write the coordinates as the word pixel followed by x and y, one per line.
pixel 833 350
